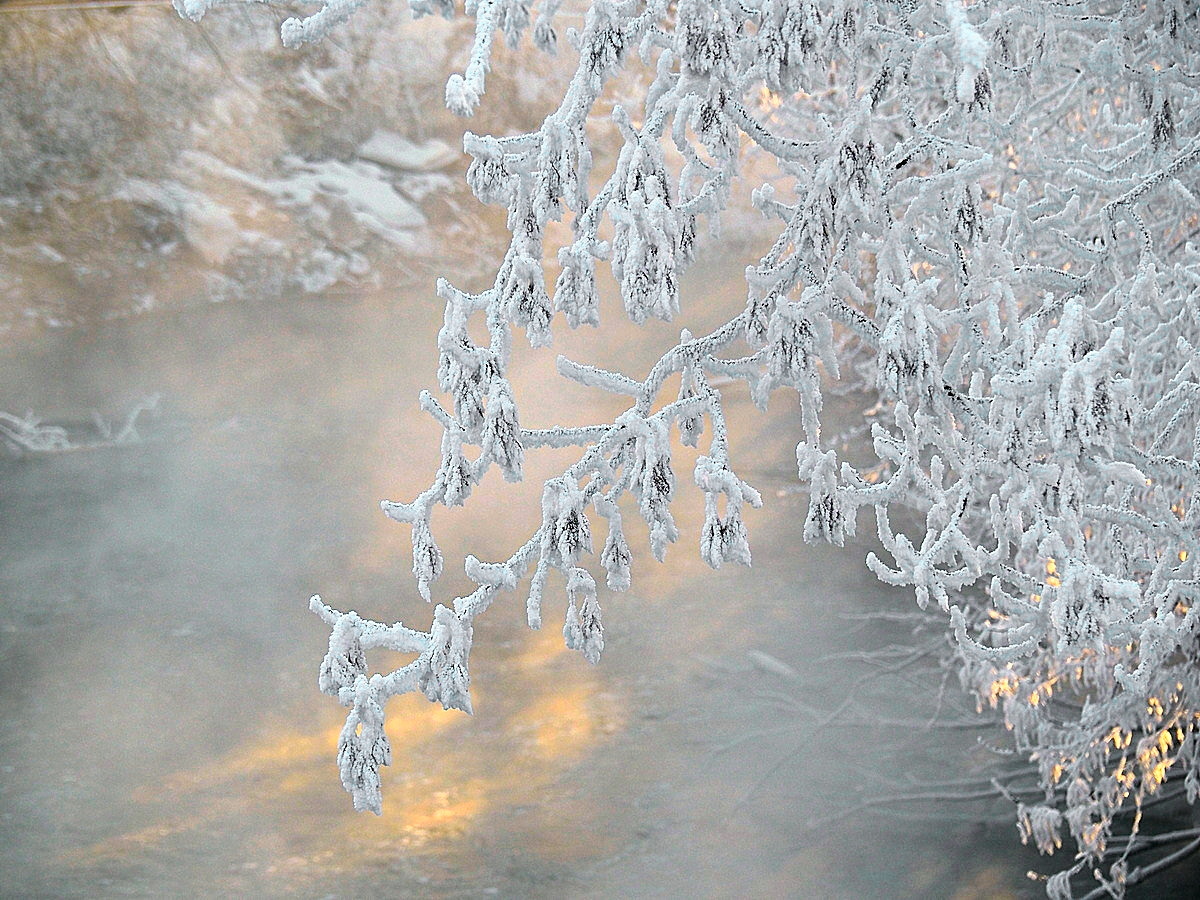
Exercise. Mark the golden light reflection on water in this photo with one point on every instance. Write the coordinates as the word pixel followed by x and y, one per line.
pixel 446 783
pixel 561 726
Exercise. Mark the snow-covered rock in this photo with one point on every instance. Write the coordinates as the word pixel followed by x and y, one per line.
pixel 389 149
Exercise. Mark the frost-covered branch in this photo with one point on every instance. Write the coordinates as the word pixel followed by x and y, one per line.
pixel 985 207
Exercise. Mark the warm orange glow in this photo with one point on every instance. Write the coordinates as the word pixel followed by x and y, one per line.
pixel 554 714
pixel 283 751
pixel 1093 836
pixel 541 649
pixel 1052 579
pixel 1005 686
pixel 768 100
pixel 1119 738
pixel 562 725
pixel 1165 740
pixel 140 839
pixel 440 811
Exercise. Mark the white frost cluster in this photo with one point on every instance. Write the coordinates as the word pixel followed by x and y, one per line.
pixel 970 50
pixel 986 214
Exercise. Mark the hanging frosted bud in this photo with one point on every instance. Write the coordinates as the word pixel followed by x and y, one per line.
pixel 427 558
pixel 685 243
pixel 562 162
pixel 465 372
pixel 644 240
pixel 714 126
pixel 455 474
pixel 827 519
pixel 710 534
pixel 817 222
pixel 525 299
pixel 691 427
pixel 648 284
pixel 797 337
pixel 501 431
pixel 803 28
pixel 570 535
pixel 544 37
pixel 345 661
pixel 759 311
pixel 792 355
pixel 446 680
pixel 653 483
pixel 788 33
pixel 880 85
pixel 723 538
pixel 645 234
pixel 982 96
pixel 583 630
pixel 615 556
pixel 701 40
pixel 967 221
pixel 487 176
pixel 363 747
pixel 514 19
pixel 1162 120
pixel 575 290
pixel 469 404
pixel 858 162
pixel 908 344
pixel 550 189
pixel 735 542
pixel 604 52
pixel 1040 824
pixel 843 23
